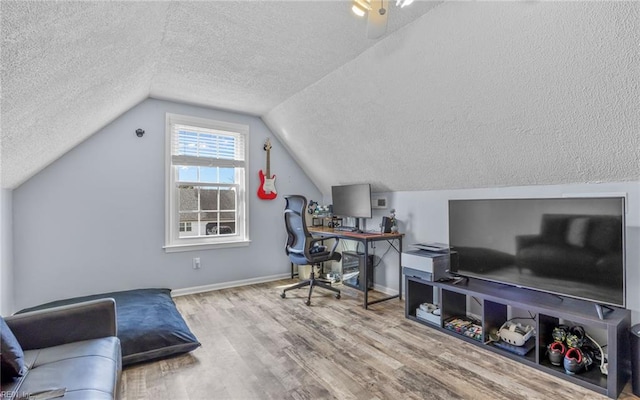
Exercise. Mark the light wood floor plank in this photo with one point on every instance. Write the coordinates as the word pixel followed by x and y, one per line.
pixel 256 345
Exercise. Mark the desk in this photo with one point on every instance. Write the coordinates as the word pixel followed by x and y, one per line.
pixel 365 239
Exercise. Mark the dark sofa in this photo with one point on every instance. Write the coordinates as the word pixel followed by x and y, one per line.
pixel 578 247
pixel 72 349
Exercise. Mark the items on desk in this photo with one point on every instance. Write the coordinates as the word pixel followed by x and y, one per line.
pixel 345 229
pixel 322 214
pixel 389 224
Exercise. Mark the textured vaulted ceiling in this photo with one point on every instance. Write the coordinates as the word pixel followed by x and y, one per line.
pixel 69 68
pixel 457 94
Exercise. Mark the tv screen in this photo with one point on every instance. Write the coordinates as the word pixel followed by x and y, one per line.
pixel 352 200
pixel 567 246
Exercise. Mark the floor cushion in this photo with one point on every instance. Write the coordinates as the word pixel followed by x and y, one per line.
pixel 149 324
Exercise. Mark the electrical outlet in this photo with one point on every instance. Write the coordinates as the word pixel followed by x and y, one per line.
pixel 196 262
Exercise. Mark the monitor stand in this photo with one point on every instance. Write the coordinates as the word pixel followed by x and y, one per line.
pixel 357 226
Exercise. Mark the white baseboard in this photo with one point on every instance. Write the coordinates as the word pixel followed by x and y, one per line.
pixel 385 290
pixel 226 285
pixel 251 281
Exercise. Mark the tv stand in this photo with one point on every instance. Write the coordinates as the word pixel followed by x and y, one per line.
pixel 498 303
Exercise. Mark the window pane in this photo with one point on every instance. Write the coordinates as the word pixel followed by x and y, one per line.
pixel 205 174
pixel 187 174
pixel 208 174
pixel 221 229
pixel 227 175
pixel 228 216
pixel 227 199
pixel 209 198
pixel 187 198
pixel 209 216
pixel 187 223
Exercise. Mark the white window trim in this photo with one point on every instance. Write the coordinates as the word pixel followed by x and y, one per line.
pixel 172 242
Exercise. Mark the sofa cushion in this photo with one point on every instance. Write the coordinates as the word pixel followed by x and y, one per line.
pixel 87 369
pixel 577 231
pixel 558 260
pixel 554 228
pixel 605 235
pixel 12 357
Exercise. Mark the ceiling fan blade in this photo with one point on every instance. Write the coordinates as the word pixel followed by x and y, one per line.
pixel 377 19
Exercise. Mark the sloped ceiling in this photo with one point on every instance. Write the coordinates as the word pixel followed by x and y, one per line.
pixel 69 68
pixel 457 94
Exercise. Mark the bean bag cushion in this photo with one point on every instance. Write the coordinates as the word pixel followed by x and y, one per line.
pixel 149 324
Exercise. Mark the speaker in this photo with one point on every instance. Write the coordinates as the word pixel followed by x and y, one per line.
pixel 385 226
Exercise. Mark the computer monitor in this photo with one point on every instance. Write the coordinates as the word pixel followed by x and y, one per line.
pixel 352 201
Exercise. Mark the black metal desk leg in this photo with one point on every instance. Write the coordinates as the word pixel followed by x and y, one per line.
pixel 400 268
pixel 366 275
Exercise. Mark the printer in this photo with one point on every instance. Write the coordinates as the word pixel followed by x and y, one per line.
pixel 426 265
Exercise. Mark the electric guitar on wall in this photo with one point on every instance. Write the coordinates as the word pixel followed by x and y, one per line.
pixel 267 189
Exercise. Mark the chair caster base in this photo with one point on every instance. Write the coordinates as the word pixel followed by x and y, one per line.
pixel 307 302
pixel 338 296
pixel 283 295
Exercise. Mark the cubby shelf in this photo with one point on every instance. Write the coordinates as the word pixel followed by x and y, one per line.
pixel 548 311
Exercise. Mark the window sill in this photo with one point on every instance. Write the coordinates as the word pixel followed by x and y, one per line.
pixel 175 248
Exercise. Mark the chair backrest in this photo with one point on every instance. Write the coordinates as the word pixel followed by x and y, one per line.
pixel 294 220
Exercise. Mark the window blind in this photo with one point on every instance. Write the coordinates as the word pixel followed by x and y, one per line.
pixel 198 146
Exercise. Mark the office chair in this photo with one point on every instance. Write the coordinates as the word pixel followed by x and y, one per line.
pixel 302 248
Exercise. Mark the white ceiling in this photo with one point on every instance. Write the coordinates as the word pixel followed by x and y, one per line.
pixel 457 94
pixel 69 68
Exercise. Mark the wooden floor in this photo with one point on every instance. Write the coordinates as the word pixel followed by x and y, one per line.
pixel 256 345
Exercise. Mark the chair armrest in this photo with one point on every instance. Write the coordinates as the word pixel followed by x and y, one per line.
pixel 307 250
pixel 65 324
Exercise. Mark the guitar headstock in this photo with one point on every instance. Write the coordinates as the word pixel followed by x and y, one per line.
pixel 267 145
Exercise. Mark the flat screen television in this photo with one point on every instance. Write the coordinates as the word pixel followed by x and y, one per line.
pixel 566 246
pixel 352 201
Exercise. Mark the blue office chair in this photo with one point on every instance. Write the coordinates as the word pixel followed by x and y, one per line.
pixel 303 249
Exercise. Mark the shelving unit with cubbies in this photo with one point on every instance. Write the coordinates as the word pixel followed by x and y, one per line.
pixel 548 311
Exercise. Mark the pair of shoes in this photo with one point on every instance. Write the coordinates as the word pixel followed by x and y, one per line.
pixel 568 349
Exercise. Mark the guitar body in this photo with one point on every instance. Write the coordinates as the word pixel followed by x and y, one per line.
pixel 267 188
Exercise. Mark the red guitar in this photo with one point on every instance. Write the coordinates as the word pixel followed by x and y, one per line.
pixel 267 189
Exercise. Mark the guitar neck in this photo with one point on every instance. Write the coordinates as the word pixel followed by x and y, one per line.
pixel 268 164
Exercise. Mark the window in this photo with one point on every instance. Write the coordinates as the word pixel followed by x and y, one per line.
pixel 206 183
pixel 185 226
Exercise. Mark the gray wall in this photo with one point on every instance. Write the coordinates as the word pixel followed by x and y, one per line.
pixel 6 253
pixel 93 221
